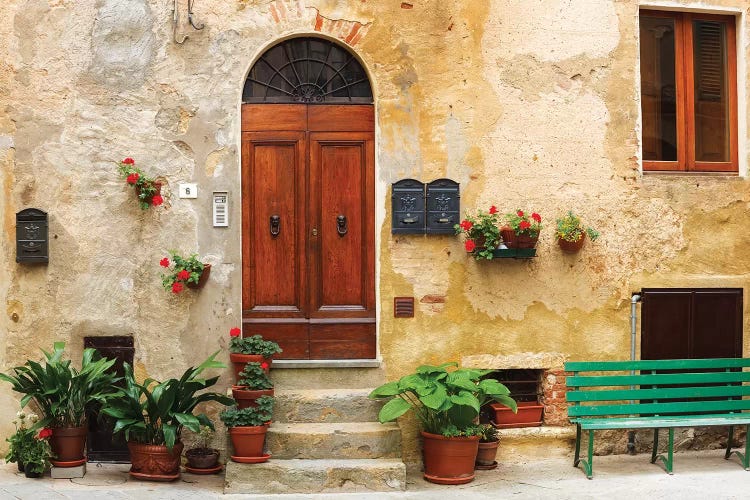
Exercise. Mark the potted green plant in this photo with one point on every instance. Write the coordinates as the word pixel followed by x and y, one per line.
pixel 36 454
pixel 202 458
pixel 22 438
pixel 152 415
pixel 447 404
pixel 253 383
pixel 66 396
pixel 571 234
pixel 147 189
pixel 481 232
pixel 243 350
pixel 247 430
pixel 185 271
pixel 521 230
pixel 488 444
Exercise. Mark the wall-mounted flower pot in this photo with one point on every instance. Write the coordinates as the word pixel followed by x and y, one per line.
pixel 529 415
pixel 203 279
pixel 571 246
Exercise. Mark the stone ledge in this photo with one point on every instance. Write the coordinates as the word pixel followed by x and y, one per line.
pixel 326 363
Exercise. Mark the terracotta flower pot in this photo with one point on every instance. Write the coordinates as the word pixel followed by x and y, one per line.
pixel 571 246
pixel 240 360
pixel 68 445
pixel 248 441
pixel 246 397
pixel 526 241
pixel 203 279
pixel 28 473
pixel 487 453
pixel 202 458
pixel 529 415
pixel 154 462
pixel 449 460
pixel 509 237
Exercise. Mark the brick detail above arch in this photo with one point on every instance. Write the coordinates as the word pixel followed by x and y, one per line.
pixel 295 14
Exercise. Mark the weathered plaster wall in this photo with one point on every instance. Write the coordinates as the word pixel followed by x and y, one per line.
pixel 529 104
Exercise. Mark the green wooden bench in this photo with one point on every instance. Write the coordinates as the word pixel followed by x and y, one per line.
pixel 657 394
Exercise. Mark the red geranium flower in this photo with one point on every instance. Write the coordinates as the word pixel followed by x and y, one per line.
pixel 470 245
pixel 264 365
pixel 157 200
pixel 536 217
pixel 466 225
pixel 164 262
pixel 129 161
pixel 183 275
pixel 133 178
pixel 44 433
pixel 493 210
pixel 235 332
pixel 520 213
pixel 524 224
pixel 177 287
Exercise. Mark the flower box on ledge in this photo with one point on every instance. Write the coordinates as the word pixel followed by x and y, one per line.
pixel 529 415
pixel 514 253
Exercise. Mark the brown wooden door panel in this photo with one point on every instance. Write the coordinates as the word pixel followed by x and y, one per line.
pixel 267 117
pixel 717 323
pixel 341 273
pixel 341 118
pixel 293 338
pixel 666 325
pixel 342 341
pixel 274 176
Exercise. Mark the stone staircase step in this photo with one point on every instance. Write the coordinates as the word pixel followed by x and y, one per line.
pixel 326 406
pixel 344 440
pixel 285 377
pixel 540 442
pixel 315 476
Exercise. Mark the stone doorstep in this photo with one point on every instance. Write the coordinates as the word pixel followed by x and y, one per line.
pixel 338 378
pixel 315 476
pixel 355 440
pixel 326 406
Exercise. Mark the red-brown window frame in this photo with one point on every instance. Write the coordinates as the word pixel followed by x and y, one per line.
pixel 685 90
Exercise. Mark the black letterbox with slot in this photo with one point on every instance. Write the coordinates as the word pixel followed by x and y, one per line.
pixel 443 206
pixel 32 242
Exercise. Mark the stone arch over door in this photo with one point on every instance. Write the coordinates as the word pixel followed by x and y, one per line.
pixel 308 237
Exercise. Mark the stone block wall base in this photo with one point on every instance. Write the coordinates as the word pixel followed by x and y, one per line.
pixel 68 472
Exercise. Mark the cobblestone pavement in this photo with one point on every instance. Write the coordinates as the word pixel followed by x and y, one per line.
pixel 698 475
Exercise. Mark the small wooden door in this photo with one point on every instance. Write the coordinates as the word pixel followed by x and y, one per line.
pixel 308 228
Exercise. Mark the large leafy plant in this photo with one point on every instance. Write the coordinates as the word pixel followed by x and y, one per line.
pixel 251 416
pixel 155 412
pixel 446 402
pixel 62 393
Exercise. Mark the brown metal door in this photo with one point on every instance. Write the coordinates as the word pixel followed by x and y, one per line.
pixel 308 229
pixel 690 323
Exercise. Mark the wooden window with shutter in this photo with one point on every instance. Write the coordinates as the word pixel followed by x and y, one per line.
pixel 688 92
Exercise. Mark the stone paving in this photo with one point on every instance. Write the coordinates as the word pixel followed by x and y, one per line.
pixel 698 475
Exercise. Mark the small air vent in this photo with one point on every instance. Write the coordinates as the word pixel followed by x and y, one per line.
pixel 403 307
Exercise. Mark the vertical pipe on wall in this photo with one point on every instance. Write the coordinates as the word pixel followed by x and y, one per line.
pixel 633 328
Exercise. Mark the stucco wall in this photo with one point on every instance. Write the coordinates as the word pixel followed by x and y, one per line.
pixel 527 103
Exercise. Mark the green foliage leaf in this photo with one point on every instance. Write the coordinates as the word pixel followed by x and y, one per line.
pixel 393 409
pixel 385 390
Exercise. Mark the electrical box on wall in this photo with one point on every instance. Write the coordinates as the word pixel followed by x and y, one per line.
pixel 221 209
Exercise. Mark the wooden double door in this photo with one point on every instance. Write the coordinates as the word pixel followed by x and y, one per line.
pixel 308 237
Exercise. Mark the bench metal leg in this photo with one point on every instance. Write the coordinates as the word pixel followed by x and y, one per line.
pixel 668 461
pixel 588 465
pixel 730 438
pixel 744 457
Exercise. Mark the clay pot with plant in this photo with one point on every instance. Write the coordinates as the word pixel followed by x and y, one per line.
pixel 202 459
pixel 247 430
pixel 147 189
pixel 521 230
pixel 253 382
pixel 36 454
pixel 243 350
pixel 65 396
pixel 571 234
pixel 481 233
pixel 26 429
pixel 447 404
pixel 152 415
pixel 183 272
pixel 488 444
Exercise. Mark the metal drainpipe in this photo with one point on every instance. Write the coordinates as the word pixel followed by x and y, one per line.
pixel 633 326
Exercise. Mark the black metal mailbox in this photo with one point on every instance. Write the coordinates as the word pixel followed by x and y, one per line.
pixel 407 197
pixel 443 206
pixel 32 236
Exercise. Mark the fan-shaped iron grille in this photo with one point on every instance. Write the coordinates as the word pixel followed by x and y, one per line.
pixel 309 71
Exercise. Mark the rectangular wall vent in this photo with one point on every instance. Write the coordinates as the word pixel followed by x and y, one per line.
pixel 403 307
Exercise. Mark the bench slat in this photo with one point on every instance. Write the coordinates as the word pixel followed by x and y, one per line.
pixel 656 364
pixel 662 422
pixel 660 408
pixel 657 379
pixel 662 393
